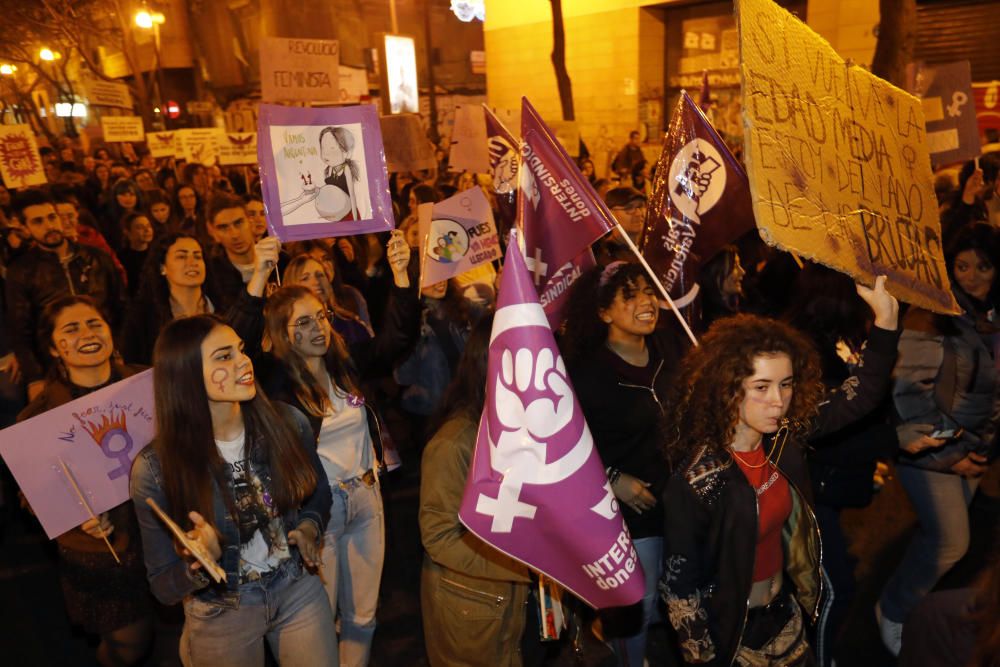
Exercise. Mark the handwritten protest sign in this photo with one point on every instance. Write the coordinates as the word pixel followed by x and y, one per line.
pixel 199 145
pixel 406 144
pixel 108 94
pixel 322 172
pixel 945 91
pixel 122 128
pixel 299 70
pixel 97 436
pixel 837 160
pixel 238 148
pixel 161 144
pixel 469 150
pixel 460 234
pixel 20 163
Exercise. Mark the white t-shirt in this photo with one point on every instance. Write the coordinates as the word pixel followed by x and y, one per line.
pixel 345 445
pixel 263 542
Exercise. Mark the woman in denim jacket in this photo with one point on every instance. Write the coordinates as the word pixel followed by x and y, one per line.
pixel 243 474
pixel 947 396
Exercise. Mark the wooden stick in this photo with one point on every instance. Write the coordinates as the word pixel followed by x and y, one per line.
pixel 194 548
pixel 659 285
pixel 79 494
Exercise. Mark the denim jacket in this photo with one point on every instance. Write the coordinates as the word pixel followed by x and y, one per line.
pixel 170 577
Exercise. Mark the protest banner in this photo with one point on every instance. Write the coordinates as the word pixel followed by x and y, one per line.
pixel 700 202
pixel 122 128
pixel 97 436
pixel 299 70
pixel 406 145
pixel 987 98
pixel 161 144
pixel 199 145
pixel 837 159
pixel 536 488
pixel 460 235
pixel 504 151
pixel 469 150
pixel 20 163
pixel 945 92
pixel 353 84
pixel 107 94
pixel 560 214
pixel 237 148
pixel 323 171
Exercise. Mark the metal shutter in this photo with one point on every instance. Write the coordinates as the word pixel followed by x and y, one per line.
pixel 953 30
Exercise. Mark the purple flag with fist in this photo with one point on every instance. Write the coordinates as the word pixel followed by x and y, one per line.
pixel 537 490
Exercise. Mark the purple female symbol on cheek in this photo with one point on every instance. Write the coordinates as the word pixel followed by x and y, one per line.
pixel 219 376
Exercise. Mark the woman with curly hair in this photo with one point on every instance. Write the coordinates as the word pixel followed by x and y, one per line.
pixel 740 405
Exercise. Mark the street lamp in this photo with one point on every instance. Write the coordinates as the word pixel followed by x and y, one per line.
pixel 47 54
pixel 147 20
pixel 153 20
pixel 8 70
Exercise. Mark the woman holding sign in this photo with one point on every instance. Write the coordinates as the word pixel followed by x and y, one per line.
pixel 243 474
pixel 105 597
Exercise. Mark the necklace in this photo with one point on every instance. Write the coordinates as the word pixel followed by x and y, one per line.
pixel 782 435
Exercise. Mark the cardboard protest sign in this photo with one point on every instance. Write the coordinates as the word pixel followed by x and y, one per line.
pixel 122 128
pixel 945 91
pixel 20 163
pixel 353 84
pixel 237 148
pixel 406 145
pixel 161 144
pixel 536 489
pixel 199 145
pixel 108 94
pixel 323 172
pixel 469 151
pixel 299 70
pixel 700 202
pixel 97 436
pixel 460 235
pixel 838 161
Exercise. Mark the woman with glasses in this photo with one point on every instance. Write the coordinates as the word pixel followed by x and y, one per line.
pixel 310 367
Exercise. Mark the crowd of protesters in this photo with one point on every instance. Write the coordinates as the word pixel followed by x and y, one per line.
pixel 274 366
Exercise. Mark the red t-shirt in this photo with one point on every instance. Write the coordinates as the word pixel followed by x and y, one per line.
pixel 774 504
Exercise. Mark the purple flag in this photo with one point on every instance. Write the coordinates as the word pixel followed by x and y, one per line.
pixel 504 149
pixel 97 436
pixel 537 490
pixel 560 213
pixel 700 202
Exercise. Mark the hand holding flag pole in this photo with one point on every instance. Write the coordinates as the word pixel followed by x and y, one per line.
pixel 83 501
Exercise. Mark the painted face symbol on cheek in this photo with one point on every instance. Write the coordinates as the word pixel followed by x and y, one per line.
pixel 63 345
pixel 219 376
pixel 298 338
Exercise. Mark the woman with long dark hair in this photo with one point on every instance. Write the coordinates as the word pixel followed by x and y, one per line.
pixel 947 400
pixel 172 285
pixel 347 307
pixel 125 198
pixel 461 576
pixel 721 283
pixel 620 366
pixel 106 598
pixel 162 212
pixel 242 475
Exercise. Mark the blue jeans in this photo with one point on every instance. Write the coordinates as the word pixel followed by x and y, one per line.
pixel 353 554
pixel 631 651
pixel 288 609
pixel 941 501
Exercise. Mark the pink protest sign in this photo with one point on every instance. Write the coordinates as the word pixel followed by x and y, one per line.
pixel 97 436
pixel 536 489
pixel 460 236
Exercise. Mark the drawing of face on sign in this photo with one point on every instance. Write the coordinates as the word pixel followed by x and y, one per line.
pixel 699 176
pixel 448 241
pixel 322 173
pixel 503 157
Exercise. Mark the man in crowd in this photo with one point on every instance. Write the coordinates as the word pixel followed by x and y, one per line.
pixel 52 267
pixel 628 158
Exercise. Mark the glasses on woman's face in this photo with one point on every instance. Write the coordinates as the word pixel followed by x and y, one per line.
pixel 306 322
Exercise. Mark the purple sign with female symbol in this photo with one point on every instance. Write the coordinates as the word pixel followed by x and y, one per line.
pixel 96 436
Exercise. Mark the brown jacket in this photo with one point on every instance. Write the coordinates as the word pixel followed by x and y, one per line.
pixel 473 598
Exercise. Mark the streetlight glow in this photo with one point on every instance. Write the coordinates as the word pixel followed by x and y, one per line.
pixel 145 20
pixel 7 70
pixel 47 54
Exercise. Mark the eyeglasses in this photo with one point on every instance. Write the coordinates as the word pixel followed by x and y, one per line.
pixel 631 209
pixel 307 321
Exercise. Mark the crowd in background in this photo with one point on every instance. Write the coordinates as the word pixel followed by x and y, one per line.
pixel 299 351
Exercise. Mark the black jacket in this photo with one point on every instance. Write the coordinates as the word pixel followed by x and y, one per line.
pixel 710 528
pixel 37 277
pixel 624 417
pixel 225 282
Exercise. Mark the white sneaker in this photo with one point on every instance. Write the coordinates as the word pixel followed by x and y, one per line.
pixel 890 631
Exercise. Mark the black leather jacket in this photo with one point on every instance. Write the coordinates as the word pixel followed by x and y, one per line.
pixel 37 277
pixel 710 527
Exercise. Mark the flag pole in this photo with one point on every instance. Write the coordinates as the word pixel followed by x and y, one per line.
pixel 659 285
pixel 83 501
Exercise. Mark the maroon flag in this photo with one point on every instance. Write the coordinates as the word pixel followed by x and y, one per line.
pixel 559 212
pixel 537 489
pixel 504 149
pixel 700 202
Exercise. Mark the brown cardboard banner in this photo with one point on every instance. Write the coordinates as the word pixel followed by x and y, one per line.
pixel 299 70
pixel 837 159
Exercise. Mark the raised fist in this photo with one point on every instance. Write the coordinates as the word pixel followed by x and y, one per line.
pixel 543 417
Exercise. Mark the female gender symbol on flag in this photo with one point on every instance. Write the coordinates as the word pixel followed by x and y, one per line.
pixel 537 489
